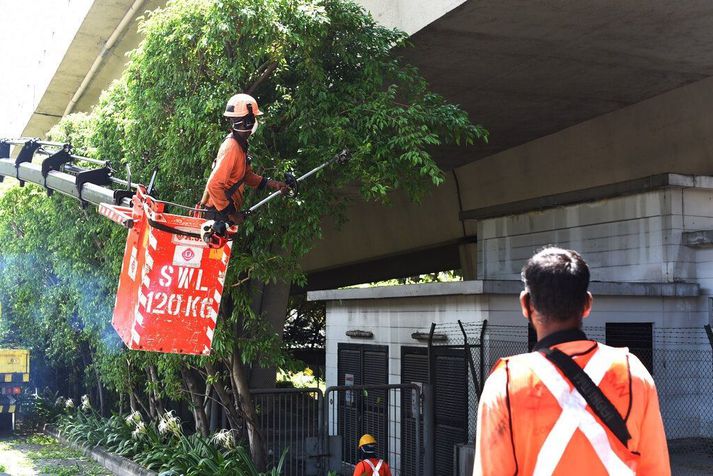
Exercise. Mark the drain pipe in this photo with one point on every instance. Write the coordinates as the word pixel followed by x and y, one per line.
pixel 118 31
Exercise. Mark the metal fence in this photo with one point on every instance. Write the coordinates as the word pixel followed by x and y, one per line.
pixel 321 435
pixel 391 413
pixel 291 421
pixel 680 360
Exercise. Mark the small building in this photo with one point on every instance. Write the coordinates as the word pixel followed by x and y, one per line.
pixel 650 249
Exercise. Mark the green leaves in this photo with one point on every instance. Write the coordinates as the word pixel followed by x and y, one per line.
pixel 328 78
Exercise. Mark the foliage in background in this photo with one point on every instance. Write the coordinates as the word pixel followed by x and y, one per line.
pixel 327 77
pixel 161 446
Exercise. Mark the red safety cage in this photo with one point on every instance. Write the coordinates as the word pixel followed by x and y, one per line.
pixel 171 281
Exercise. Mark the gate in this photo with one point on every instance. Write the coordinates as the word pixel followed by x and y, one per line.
pixel 391 413
pixel 321 435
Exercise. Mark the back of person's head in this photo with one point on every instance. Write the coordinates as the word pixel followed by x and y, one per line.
pixel 557 280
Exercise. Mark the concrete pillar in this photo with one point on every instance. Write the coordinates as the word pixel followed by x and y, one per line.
pixel 468 260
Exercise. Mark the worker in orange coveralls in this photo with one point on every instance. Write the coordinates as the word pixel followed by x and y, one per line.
pixel 223 195
pixel 370 465
pixel 573 406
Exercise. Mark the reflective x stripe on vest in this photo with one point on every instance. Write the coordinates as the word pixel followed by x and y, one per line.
pixel 574 415
pixel 376 468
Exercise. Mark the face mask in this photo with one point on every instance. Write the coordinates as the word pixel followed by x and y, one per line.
pixel 240 127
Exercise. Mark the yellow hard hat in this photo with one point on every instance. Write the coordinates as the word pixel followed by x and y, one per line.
pixel 367 440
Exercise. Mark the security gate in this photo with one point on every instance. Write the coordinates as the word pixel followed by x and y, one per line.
pixel 319 434
pixel 391 413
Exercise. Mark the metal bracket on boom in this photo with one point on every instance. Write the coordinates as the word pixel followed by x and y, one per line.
pixel 25 155
pixel 120 195
pixel 4 152
pixel 101 176
pixel 54 162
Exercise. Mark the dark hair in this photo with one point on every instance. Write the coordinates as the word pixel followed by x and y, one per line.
pixel 557 281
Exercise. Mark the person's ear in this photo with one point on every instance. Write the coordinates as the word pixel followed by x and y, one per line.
pixel 525 305
pixel 587 305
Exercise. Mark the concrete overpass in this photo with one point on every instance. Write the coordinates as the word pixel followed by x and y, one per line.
pixel 583 100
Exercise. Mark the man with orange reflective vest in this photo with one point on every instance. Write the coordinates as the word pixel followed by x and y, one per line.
pixel 572 406
pixel 370 465
pixel 223 195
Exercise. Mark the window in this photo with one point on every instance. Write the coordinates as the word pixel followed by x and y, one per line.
pixel 638 337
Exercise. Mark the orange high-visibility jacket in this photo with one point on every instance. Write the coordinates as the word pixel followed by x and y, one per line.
pixel 531 420
pixel 231 168
pixel 364 469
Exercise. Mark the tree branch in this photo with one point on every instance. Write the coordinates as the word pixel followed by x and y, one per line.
pixel 265 74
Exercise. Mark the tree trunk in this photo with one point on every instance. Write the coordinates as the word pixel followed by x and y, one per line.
pixel 132 402
pixel 153 376
pixel 135 400
pixel 100 394
pixel 193 385
pixel 229 404
pixel 270 302
pixel 214 413
pixel 257 446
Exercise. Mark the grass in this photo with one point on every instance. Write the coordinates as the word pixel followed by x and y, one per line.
pixel 43 455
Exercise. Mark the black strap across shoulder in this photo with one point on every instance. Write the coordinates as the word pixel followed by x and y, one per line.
pixel 592 394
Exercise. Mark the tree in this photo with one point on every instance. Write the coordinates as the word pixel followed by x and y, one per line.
pixel 328 78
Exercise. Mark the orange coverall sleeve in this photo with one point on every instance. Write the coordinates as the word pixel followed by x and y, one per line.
pixel 251 178
pixel 494 453
pixel 229 163
pixel 652 438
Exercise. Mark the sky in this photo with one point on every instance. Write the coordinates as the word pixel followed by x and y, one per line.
pixel 34 35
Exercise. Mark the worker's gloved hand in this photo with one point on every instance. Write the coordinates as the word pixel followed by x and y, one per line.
pixel 277 185
pixel 197 210
pixel 220 228
pixel 236 218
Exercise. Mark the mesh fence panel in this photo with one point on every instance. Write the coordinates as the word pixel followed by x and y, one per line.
pixel 680 360
pixel 290 419
pixel 391 413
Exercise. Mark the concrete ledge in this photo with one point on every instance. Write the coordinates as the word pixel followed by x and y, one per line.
pixel 484 287
pixel 629 187
pixel 116 464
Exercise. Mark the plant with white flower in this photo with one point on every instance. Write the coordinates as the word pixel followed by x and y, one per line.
pixel 224 438
pixel 169 423
pixel 69 404
pixel 59 402
pixel 134 418
pixel 86 405
pixel 139 430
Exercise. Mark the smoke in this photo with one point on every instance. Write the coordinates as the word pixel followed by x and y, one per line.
pixel 38 290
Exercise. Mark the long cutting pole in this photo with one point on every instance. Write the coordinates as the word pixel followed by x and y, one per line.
pixel 341 157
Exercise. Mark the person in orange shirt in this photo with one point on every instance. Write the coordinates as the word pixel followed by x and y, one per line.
pixel 573 405
pixel 370 465
pixel 223 195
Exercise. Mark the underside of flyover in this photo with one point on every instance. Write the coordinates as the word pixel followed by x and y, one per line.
pixel 575 95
